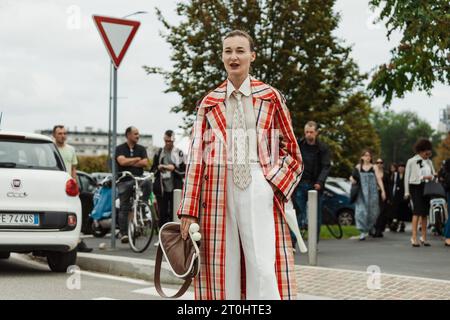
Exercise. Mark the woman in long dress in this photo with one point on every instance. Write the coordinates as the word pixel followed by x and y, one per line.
pixel 367 208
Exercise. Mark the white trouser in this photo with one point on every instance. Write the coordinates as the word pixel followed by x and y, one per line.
pixel 250 222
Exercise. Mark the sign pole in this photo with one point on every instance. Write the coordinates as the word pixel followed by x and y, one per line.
pixel 113 161
pixel 111 66
pixel 117 35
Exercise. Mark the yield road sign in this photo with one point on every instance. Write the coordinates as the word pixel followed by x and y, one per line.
pixel 117 35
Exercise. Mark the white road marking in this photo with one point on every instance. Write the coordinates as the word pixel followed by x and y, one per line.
pixel 189 295
pixel 116 278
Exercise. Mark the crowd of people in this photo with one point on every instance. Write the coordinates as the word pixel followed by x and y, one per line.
pixel 387 199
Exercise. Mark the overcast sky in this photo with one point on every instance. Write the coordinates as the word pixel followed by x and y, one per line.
pixel 54 68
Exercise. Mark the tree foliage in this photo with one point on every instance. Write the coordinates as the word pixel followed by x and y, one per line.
pixel 91 164
pixel 399 132
pixel 296 52
pixel 442 152
pixel 422 57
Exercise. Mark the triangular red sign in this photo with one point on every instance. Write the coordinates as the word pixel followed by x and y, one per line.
pixel 117 35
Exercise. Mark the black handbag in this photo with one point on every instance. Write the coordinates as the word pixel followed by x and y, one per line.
pixel 434 189
pixel 356 187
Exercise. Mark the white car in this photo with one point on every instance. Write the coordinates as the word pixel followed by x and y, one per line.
pixel 40 211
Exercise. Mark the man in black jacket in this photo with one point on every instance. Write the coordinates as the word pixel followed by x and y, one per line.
pixel 316 161
pixel 169 168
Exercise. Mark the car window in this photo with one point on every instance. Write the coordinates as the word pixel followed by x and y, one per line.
pixel 343 186
pixel 29 154
pixel 87 184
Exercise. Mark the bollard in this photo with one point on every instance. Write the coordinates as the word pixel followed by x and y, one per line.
pixel 176 204
pixel 312 227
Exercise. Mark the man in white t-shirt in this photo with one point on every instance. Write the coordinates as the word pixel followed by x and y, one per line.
pixel 70 161
pixel 67 151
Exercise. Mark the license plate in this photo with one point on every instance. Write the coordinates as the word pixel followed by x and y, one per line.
pixel 19 219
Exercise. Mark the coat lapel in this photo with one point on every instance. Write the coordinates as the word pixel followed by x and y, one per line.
pixel 216 116
pixel 263 96
pixel 263 105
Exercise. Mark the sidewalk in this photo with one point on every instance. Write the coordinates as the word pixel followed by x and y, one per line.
pixel 313 282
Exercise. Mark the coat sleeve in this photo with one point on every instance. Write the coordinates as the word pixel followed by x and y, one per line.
pixel 287 172
pixel 190 196
pixel 180 168
pixel 155 163
pixel 407 176
pixel 325 160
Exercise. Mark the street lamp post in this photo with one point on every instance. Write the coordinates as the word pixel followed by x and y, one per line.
pixel 111 145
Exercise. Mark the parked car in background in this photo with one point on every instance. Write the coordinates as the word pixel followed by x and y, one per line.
pixel 40 211
pixel 336 198
pixel 87 185
pixel 100 176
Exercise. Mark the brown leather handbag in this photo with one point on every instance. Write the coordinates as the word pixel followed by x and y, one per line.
pixel 183 256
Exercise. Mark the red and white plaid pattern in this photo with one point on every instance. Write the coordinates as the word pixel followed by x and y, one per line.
pixel 204 192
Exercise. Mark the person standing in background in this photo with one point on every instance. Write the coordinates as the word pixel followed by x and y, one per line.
pixel 169 168
pixel 367 206
pixel 132 157
pixel 385 205
pixel 419 171
pixel 401 211
pixel 70 162
pixel 444 178
pixel 317 164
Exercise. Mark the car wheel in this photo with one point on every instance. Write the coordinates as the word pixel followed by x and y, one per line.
pixel 4 255
pixel 98 231
pixel 60 261
pixel 346 218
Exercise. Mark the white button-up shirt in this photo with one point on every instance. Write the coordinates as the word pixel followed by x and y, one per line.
pixel 250 118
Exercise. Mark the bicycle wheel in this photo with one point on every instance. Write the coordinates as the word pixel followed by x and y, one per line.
pixel 155 218
pixel 439 224
pixel 332 224
pixel 140 231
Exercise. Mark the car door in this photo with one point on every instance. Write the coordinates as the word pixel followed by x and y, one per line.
pixel 87 187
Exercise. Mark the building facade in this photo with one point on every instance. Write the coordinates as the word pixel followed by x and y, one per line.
pixel 95 143
pixel 444 121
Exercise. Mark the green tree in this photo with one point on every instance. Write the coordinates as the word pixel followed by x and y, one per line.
pixel 422 57
pixel 442 152
pixel 399 132
pixel 91 164
pixel 296 53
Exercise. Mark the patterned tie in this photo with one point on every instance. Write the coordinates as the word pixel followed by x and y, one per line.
pixel 241 168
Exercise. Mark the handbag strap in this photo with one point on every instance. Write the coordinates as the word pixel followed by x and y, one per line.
pixel 157 278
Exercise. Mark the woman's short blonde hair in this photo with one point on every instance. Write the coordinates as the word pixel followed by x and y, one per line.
pixel 240 33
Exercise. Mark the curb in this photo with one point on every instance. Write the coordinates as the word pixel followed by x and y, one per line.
pixel 143 269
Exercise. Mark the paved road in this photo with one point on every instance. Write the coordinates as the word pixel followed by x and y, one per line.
pixel 393 254
pixel 24 279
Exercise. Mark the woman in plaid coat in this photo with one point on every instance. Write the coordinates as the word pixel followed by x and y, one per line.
pixel 246 250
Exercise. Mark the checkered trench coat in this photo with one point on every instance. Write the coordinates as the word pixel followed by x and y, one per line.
pixel 204 192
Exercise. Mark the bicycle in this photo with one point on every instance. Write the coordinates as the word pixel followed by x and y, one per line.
pixel 143 223
pixel 438 216
pixel 332 223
